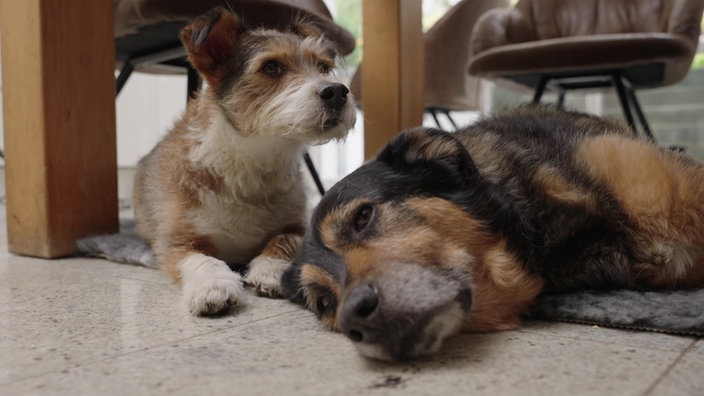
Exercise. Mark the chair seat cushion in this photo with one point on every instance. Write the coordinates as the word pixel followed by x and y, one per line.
pixel 583 53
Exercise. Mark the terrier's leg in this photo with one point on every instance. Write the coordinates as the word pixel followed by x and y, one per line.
pixel 265 270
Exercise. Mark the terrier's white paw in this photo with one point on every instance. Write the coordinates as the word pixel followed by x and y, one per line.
pixel 209 286
pixel 264 275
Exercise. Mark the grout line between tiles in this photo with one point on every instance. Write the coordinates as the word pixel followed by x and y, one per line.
pixel 669 369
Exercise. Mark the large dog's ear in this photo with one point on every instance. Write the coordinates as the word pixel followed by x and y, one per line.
pixel 435 155
pixel 210 40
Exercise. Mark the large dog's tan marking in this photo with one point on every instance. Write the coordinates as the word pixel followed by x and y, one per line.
pixel 318 285
pixel 663 194
pixel 502 287
pixel 503 290
pixel 424 149
pixel 556 186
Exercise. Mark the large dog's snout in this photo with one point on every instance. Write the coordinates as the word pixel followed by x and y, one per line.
pixel 334 95
pixel 405 311
pixel 359 318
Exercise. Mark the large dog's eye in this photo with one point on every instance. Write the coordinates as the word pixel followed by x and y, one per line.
pixel 273 68
pixel 362 217
pixel 324 303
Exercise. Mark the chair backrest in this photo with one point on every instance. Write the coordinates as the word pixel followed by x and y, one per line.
pixel 532 20
pixel 446 44
pixel 447 53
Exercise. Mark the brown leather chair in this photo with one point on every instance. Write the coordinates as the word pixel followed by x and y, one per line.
pixel 147 34
pixel 448 87
pixel 561 45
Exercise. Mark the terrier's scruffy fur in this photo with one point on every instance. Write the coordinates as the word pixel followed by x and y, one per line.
pixel 224 187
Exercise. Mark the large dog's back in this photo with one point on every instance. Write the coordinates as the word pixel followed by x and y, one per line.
pixel 586 203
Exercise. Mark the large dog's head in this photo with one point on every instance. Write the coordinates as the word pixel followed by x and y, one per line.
pixel 389 255
pixel 270 82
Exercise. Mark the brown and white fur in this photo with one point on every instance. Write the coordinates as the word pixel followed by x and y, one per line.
pixel 224 187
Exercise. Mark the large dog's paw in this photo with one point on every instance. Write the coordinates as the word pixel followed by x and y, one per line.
pixel 264 275
pixel 210 287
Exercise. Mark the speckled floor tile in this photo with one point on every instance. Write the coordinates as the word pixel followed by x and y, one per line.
pixel 54 314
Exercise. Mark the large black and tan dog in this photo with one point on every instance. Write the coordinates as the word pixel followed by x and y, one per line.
pixel 444 233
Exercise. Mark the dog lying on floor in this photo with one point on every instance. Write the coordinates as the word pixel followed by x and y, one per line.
pixel 225 186
pixel 443 233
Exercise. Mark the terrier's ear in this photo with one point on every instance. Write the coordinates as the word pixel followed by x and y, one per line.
pixel 209 40
pixel 305 28
pixel 430 153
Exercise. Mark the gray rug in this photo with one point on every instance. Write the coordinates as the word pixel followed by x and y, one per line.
pixel 680 312
pixel 677 312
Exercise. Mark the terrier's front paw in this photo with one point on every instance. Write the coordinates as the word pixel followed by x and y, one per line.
pixel 264 275
pixel 210 287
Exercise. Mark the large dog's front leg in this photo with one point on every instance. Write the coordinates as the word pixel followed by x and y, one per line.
pixel 265 270
pixel 209 286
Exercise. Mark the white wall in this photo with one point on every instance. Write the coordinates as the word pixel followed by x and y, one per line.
pixel 146 108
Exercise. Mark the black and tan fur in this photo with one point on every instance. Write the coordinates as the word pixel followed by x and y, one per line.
pixel 444 232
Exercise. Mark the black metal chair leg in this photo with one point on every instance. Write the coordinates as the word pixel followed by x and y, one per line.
pixel 313 173
pixel 540 89
pixel 561 99
pixel 449 117
pixel 639 113
pixel 623 98
pixel 434 114
pixel 125 73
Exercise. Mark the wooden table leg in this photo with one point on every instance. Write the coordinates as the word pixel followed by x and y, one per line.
pixel 392 80
pixel 59 111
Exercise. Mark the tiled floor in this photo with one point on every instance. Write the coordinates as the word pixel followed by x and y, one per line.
pixel 91 327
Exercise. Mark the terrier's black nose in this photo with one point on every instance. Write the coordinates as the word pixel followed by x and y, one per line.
pixel 334 95
pixel 359 317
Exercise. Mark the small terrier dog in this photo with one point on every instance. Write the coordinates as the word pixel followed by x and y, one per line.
pixel 224 187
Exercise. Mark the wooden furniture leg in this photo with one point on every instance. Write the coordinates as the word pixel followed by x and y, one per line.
pixel 59 109
pixel 392 81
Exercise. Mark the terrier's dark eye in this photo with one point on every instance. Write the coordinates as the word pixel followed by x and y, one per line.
pixel 362 217
pixel 324 67
pixel 273 68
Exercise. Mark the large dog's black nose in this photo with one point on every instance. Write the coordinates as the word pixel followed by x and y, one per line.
pixel 334 95
pixel 359 318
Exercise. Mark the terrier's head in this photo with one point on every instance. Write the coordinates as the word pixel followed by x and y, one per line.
pixel 270 82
